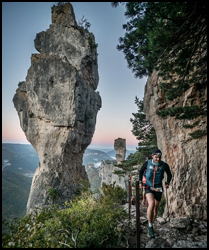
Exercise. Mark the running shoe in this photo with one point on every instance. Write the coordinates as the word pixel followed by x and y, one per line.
pixel 150 232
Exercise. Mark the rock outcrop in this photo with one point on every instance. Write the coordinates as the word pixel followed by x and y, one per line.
pixel 120 148
pixel 57 106
pixel 93 176
pixel 186 157
pixel 110 173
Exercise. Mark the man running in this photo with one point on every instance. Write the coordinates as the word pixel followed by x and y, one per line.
pixel 154 175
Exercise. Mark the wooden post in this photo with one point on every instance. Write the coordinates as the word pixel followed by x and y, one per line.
pixel 137 216
pixel 129 199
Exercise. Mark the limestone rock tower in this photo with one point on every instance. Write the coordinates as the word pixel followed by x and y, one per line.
pixel 120 148
pixel 57 106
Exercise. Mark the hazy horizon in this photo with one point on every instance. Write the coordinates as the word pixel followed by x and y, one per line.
pixel 104 147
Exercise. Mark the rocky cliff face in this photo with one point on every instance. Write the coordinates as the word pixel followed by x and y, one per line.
pixel 186 157
pixel 57 106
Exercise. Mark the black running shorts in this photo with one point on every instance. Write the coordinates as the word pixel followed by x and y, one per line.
pixel 157 195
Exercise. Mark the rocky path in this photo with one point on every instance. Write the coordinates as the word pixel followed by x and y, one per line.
pixel 174 233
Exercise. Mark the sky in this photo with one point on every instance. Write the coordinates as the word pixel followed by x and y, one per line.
pixel 118 87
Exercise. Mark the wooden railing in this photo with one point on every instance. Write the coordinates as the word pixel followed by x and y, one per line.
pixel 137 204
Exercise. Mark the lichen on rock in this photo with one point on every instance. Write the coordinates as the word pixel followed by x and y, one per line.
pixel 57 106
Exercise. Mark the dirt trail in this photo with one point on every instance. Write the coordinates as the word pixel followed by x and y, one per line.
pixel 173 233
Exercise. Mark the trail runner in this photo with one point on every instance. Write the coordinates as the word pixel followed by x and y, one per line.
pixel 155 169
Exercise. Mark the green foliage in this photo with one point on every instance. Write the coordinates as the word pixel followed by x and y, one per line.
pixel 113 193
pixel 126 166
pixel 89 115
pixel 53 192
pixel 142 128
pixel 31 115
pixel 145 134
pixel 187 112
pixel 84 222
pixel 15 191
pixel 84 23
pixel 171 38
pixel 20 83
pixel 198 133
pixel 81 29
pixel 119 172
pixel 92 44
pixel 84 187
pixel 167 36
pixel 191 125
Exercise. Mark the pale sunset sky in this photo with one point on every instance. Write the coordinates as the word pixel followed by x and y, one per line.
pixel 21 21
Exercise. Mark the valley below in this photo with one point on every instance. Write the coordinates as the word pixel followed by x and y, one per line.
pixel 19 163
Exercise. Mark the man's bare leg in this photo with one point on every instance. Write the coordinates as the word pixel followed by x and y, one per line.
pixel 156 204
pixel 150 209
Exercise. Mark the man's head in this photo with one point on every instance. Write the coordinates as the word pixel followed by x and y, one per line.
pixel 156 155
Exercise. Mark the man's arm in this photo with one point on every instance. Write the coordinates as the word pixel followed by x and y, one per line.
pixel 141 171
pixel 168 172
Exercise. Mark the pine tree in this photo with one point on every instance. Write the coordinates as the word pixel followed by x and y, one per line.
pixel 144 132
pixel 171 38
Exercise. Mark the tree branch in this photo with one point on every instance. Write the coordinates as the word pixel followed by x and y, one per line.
pixel 104 240
pixel 76 237
pixel 195 47
pixel 65 244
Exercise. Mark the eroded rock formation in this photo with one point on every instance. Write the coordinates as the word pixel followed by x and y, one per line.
pixel 108 170
pixel 110 173
pixel 120 148
pixel 186 157
pixel 57 106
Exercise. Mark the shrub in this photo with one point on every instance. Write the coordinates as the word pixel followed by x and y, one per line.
pixel 92 44
pixel 20 83
pixel 89 115
pixel 31 115
pixel 114 193
pixel 187 126
pixel 84 222
pixel 53 192
pixel 198 133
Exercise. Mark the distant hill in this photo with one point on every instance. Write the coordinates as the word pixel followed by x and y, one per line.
pixel 112 153
pixel 19 158
pixel 19 162
pixel 15 192
pixel 23 159
pixel 94 156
